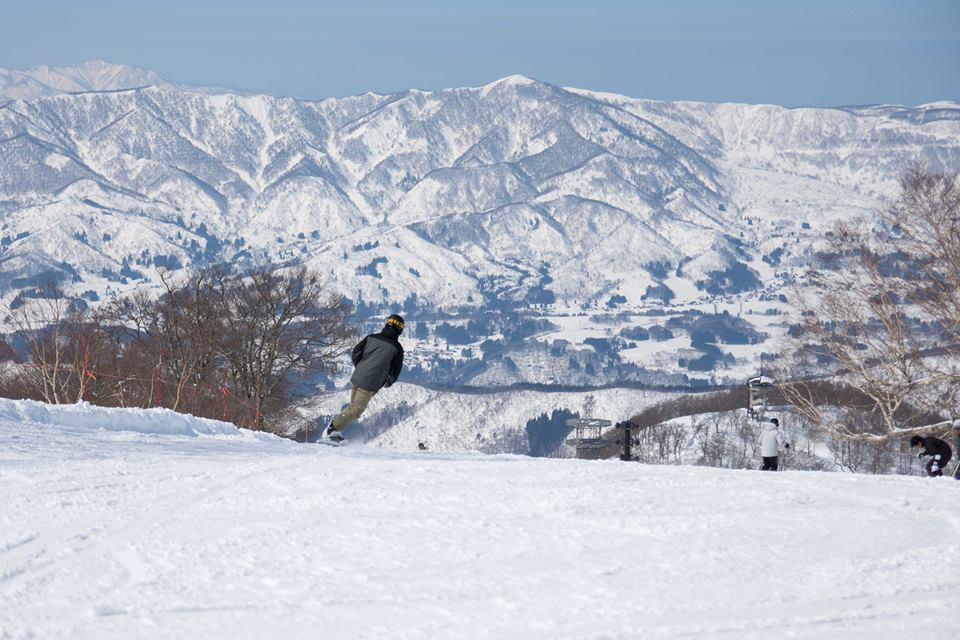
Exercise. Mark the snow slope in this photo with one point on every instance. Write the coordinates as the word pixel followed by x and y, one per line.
pixel 207 532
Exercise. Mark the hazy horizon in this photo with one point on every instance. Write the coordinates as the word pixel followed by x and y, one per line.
pixel 817 53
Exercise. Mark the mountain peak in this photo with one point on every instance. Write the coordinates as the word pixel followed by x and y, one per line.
pixel 91 75
pixel 43 81
pixel 511 81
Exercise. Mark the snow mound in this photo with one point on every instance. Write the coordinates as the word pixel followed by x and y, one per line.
pixel 86 416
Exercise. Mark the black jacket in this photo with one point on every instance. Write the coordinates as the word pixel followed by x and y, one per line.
pixel 933 446
pixel 378 359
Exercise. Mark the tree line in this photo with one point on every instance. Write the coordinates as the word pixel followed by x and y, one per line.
pixel 211 343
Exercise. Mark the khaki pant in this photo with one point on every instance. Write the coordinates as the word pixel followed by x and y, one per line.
pixel 359 399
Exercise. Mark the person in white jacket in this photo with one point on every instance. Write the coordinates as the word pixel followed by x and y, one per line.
pixel 771 438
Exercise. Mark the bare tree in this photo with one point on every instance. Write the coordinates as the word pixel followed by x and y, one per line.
pixel 170 339
pixel 209 343
pixel 192 323
pixel 883 316
pixel 277 324
pixel 863 456
pixel 704 438
pixel 48 325
pixel 133 364
pixel 925 228
pixel 678 435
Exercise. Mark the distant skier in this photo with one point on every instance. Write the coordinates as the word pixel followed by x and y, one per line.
pixel 936 449
pixel 771 438
pixel 377 359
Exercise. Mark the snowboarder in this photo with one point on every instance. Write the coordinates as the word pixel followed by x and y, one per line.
pixel 938 450
pixel 770 440
pixel 377 359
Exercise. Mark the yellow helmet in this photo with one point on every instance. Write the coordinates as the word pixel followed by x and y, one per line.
pixel 396 321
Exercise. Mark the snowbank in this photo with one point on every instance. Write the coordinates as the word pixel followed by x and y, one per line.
pixel 86 416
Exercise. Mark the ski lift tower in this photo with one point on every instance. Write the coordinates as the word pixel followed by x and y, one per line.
pixel 588 435
pixel 759 388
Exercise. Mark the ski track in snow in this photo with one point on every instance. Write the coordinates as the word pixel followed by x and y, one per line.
pixel 117 534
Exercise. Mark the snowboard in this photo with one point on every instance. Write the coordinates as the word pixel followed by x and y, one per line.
pixel 331 443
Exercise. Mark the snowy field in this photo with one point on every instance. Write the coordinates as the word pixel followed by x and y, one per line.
pixel 144 524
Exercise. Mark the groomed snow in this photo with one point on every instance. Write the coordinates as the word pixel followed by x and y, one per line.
pixel 144 524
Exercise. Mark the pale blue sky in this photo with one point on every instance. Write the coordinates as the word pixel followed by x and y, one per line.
pixel 802 52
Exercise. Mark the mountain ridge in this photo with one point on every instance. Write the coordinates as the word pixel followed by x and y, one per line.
pixel 517 194
pixel 89 76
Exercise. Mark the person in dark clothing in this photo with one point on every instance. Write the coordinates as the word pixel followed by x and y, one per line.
pixel 936 449
pixel 377 361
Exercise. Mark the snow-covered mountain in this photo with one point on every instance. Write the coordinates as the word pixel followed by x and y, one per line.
pixel 514 194
pixel 120 523
pixel 43 81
